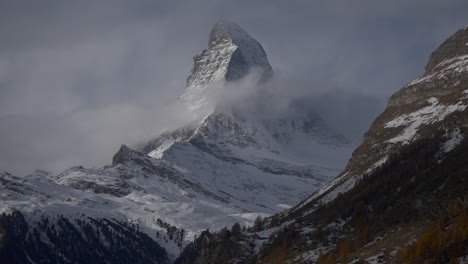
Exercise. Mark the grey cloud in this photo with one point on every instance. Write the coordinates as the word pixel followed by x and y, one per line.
pixel 79 78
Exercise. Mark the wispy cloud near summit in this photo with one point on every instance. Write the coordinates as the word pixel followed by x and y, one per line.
pixel 77 79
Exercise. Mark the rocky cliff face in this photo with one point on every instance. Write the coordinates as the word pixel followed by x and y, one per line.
pixel 400 199
pixel 445 72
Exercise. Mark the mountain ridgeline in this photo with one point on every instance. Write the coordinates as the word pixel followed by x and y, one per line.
pixel 227 167
pixel 236 186
pixel 402 197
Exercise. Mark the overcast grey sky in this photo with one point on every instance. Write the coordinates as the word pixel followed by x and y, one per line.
pixel 79 78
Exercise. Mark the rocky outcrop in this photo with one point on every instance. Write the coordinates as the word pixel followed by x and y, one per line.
pixel 439 93
pixel 456 45
pixel 445 73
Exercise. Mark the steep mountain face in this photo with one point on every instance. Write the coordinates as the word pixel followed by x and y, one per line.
pixel 402 197
pixel 228 166
pixel 255 164
pixel 231 55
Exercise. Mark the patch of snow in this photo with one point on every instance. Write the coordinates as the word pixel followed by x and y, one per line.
pixel 323 190
pixel 263 236
pixel 342 188
pixel 453 139
pixel 428 115
pixel 158 152
pixel 377 259
pixel 337 224
pixel 465 94
pixel 284 206
pixel 339 185
pixel 312 255
pixel 464 259
pixel 432 100
pixel 377 164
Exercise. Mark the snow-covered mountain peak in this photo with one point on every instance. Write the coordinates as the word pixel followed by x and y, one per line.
pixel 232 54
pixel 244 160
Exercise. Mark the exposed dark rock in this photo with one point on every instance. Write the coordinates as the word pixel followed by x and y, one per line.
pixel 456 45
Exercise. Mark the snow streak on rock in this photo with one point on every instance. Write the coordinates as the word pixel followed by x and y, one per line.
pixel 433 113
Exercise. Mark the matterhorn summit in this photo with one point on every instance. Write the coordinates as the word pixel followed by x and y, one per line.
pixel 232 53
pixel 257 162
